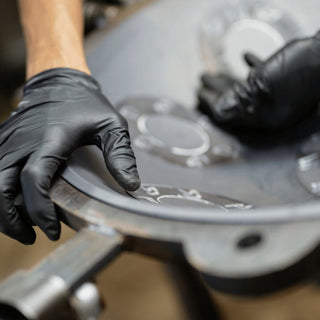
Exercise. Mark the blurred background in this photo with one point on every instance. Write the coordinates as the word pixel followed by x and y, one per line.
pixel 133 287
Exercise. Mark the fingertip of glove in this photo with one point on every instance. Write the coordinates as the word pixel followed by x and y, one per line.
pixel 125 174
pixel 203 94
pixel 218 109
pixel 53 232
pixel 53 236
pixel 252 60
pixel 205 77
pixel 210 81
pixel 28 240
pixel 205 102
pixel 23 234
pixel 132 184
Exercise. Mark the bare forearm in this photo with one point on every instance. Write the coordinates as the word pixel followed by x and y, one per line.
pixel 54 34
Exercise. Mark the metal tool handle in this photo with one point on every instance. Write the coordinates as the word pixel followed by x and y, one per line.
pixel 55 288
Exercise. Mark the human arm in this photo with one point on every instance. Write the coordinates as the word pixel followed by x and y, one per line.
pixel 53 32
pixel 62 108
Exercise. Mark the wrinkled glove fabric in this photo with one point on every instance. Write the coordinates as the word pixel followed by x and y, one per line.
pixel 278 93
pixel 61 110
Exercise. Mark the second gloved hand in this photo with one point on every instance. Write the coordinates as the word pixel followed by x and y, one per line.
pixel 277 94
pixel 61 110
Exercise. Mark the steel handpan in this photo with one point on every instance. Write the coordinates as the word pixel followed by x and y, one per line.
pixel 201 186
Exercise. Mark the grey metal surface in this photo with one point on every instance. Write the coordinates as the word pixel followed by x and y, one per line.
pixel 156 52
pixel 258 177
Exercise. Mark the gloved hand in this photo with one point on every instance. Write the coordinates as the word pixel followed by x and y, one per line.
pixel 61 109
pixel 277 94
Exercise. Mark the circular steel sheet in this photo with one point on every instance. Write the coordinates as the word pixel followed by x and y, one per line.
pixel 156 53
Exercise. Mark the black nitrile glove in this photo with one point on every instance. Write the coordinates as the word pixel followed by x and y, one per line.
pixel 61 109
pixel 278 93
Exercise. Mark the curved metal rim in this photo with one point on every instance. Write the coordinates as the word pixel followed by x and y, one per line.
pixel 201 241
pixel 272 214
